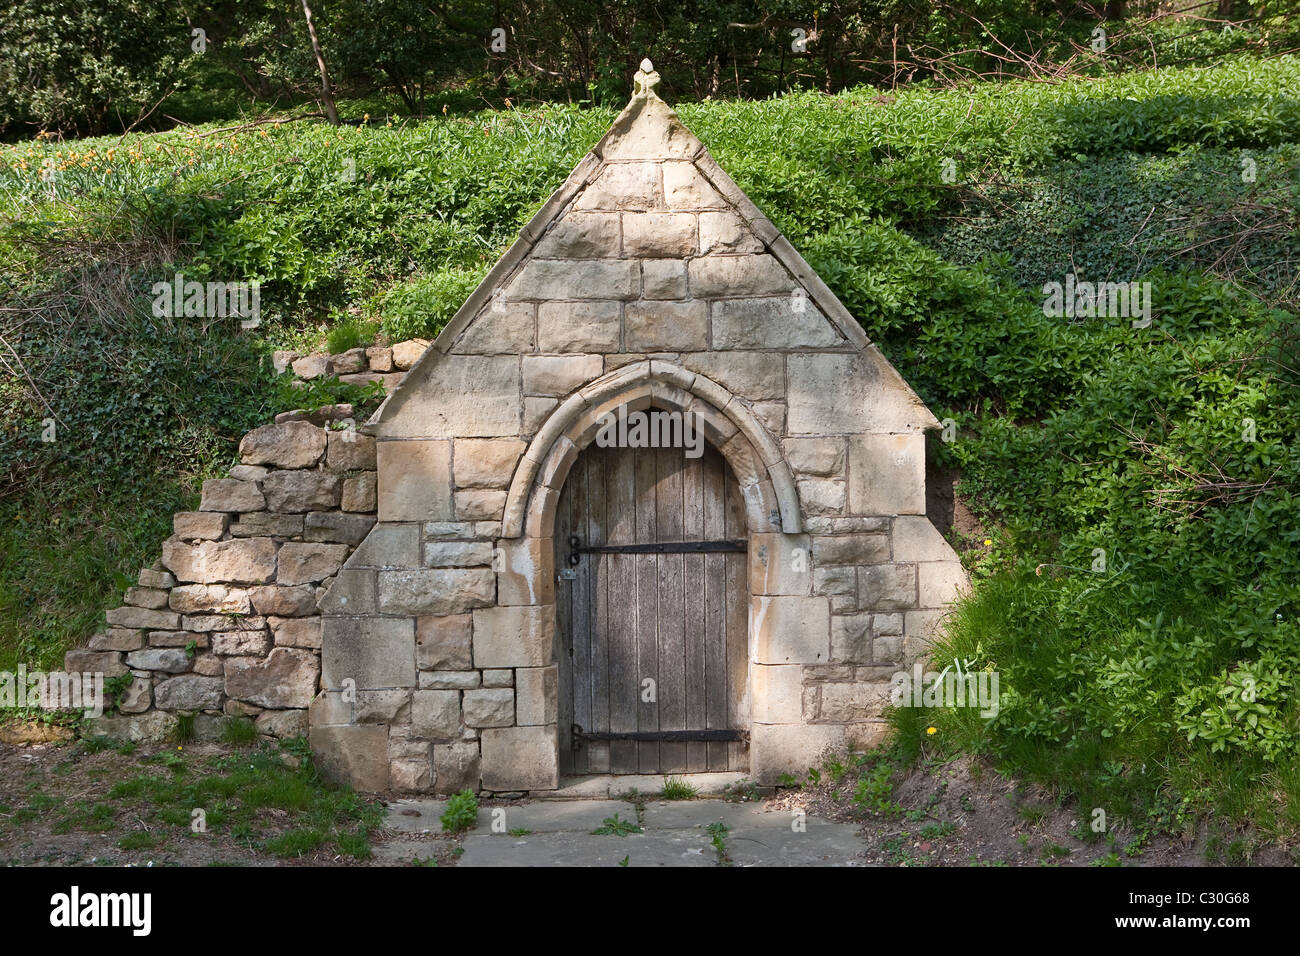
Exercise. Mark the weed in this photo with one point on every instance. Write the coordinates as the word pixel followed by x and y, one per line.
pixel 461 813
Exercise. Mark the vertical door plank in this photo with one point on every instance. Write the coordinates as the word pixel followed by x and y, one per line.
pixel 697 753
pixel 672 627
pixel 737 622
pixel 579 661
pixel 715 611
pixel 597 572
pixel 621 597
pixel 647 606
pixel 568 612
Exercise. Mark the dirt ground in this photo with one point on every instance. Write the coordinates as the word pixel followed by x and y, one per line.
pixel 55 810
pixel 963 813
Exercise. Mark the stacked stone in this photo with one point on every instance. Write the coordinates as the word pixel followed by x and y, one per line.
pixel 360 366
pixel 226 624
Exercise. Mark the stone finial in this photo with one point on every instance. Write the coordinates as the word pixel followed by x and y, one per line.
pixel 646 79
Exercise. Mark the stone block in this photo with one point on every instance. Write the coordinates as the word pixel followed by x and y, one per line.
pixel 287 677
pixel 349 451
pixel 265 524
pixel 514 636
pixel 782 322
pixel 851 638
pixel 823 457
pixel 624 186
pixel 887 474
pixel 169 660
pixel 822 496
pixel 916 539
pixel 406 354
pixel 941 582
pixel 777 749
pixel 790 630
pixel 373 652
pixel 449 680
pixel 414 480
pixel 436 714
pixel 199 525
pixel 761 275
pixel 411 774
pixel 150 578
pixel 474 396
pixel 444 643
pixel 210 599
pixel 887 587
pixel 360 493
pixel 559 375
pixel 456 766
pixel 133 618
pixel 388 546
pixel 457 554
pixel 777 693
pixel 581 235
pixel 780 564
pixel 663 279
pixel 499 678
pixel 189 692
pixel 351 592
pixel 500 328
pixel 578 326
pixel 304 632
pixel 435 590
pixel 525 571
pixel 520 758
pixel 685 188
pixel 117 639
pixel 294 492
pixel 282 723
pixel 490 707
pixel 485 462
pixel 307 563
pixel 331 526
pixel 536 695
pixel 846 549
pixel 380 358
pixel 670 235
pixel 241 643
pixel 229 494
pixel 653 325
pixel 288 445
pixel 551 279
pixel 726 232
pixel 296 601
pixel 352 755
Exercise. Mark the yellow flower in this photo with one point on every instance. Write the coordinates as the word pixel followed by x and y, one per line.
pixel 988 542
pixel 931 730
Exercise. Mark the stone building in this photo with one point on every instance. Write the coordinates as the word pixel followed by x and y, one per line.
pixel 528 566
pixel 531 603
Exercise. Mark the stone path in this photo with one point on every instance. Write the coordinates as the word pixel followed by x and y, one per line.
pixel 559 833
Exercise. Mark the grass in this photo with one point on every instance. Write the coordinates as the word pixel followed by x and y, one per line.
pixel 675 788
pixel 239 732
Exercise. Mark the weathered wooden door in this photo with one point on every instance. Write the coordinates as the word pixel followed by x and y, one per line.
pixel 647 642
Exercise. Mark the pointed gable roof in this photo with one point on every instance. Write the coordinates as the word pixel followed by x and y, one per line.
pixel 648 130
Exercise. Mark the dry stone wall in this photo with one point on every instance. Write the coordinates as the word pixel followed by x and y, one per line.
pixel 226 623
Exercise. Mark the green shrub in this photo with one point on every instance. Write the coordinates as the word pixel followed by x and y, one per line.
pixel 461 813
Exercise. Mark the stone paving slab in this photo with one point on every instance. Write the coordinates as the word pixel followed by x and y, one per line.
pixel 832 844
pixel 657 848
pixel 666 814
pixel 416 816
pixel 553 816
pixel 610 785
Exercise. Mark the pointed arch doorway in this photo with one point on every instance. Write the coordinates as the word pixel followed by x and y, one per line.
pixel 652 607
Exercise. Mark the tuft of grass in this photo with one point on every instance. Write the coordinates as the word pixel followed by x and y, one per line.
pixel 239 732
pixel 675 788
pixel 184 732
pixel 294 843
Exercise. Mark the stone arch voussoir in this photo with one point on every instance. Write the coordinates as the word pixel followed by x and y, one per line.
pixel 771 502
